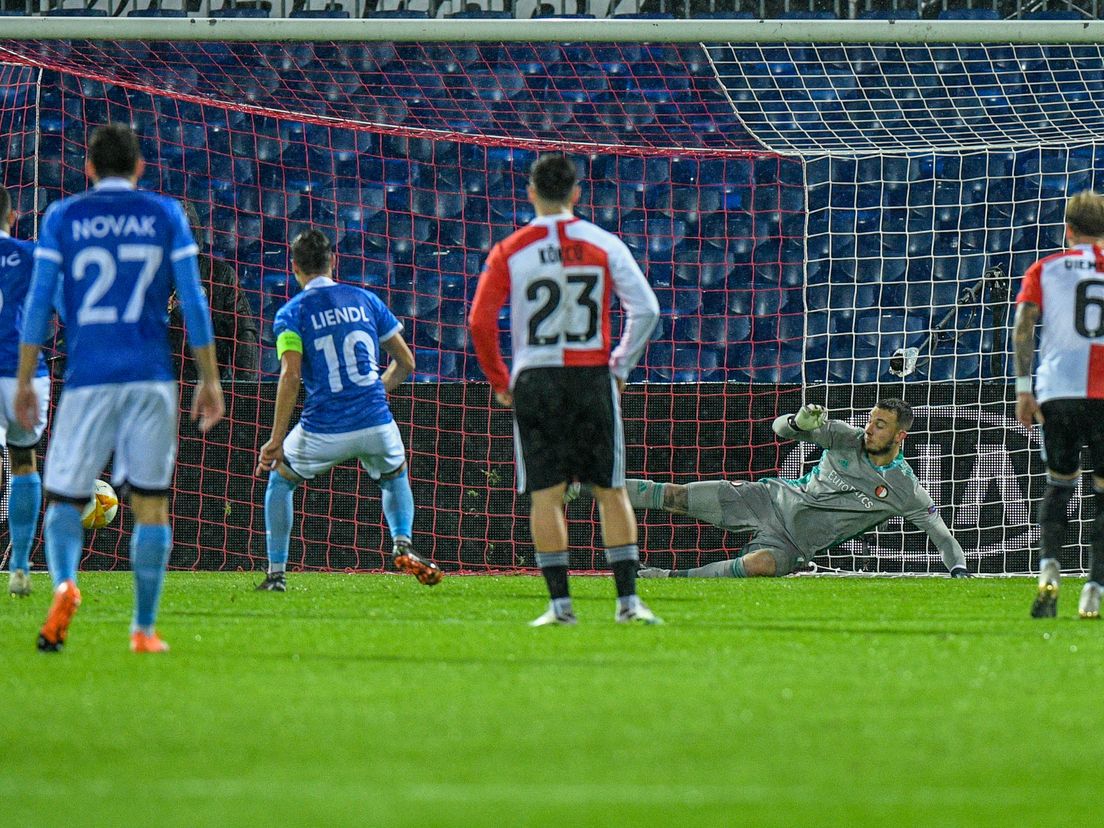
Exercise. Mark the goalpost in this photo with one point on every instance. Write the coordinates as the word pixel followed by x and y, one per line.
pixel 828 210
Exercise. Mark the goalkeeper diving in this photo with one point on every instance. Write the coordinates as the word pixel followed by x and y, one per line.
pixel 861 480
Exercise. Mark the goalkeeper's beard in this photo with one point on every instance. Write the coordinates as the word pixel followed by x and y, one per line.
pixel 875 449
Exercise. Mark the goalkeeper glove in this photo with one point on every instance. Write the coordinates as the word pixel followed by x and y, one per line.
pixel 959 572
pixel 572 492
pixel 809 418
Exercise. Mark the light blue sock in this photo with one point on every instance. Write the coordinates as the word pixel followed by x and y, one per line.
pixel 64 540
pixel 150 546
pixel 398 506
pixel 23 504
pixel 278 517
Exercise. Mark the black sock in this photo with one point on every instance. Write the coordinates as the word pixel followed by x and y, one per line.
pixel 679 573
pixel 1052 518
pixel 553 566
pixel 624 577
pixel 556 578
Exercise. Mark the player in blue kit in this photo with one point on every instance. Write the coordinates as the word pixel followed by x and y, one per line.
pixel 117 253
pixel 328 337
pixel 25 500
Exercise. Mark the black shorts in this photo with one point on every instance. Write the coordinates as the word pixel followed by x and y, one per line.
pixel 567 426
pixel 1069 425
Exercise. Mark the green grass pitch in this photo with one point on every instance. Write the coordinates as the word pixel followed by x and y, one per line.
pixel 371 700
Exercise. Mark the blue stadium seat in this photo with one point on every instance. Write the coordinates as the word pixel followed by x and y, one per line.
pixel 766 364
pixel 320 14
pixel 154 11
pixel 694 363
pixel 738 361
pixel 453 314
pixel 710 330
pixel 714 301
pixel 400 14
pixel 969 14
pixel 86 12
pixel 230 11
pixel 73 177
pixel 50 173
pixel 435 365
pixel 795 327
pixel 708 267
pixel 659 357
pixel 889 14
pixel 635 170
pixel 689 329
pixel 1053 14
pixel 807 14
pixel 663 234
pixel 764 328
pixel 677 301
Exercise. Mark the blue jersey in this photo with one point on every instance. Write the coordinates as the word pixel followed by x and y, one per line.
pixel 118 252
pixel 16 261
pixel 338 328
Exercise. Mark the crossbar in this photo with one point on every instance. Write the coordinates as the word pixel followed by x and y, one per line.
pixel 554 30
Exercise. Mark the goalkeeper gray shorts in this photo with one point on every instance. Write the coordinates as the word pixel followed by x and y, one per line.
pixel 749 505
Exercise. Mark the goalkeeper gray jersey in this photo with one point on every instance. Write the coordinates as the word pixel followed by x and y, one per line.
pixel 846 494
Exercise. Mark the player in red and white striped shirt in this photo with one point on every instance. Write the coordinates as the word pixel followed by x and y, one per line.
pixel 1067 290
pixel 560 274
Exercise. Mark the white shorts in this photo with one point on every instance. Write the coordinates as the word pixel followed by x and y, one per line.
pixel 379 449
pixel 136 420
pixel 11 432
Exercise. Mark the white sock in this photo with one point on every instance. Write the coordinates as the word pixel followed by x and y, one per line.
pixel 1049 572
pixel 628 602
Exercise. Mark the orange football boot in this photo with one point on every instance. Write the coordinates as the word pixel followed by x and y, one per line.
pixel 52 636
pixel 141 642
pixel 407 561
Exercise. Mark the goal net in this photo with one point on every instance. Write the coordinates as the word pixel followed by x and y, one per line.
pixel 804 213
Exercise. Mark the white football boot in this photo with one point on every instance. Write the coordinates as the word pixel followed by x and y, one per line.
pixel 1089 605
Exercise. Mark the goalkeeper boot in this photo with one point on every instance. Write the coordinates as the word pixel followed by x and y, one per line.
pixel 552 618
pixel 19 583
pixel 67 598
pixel 407 561
pixel 636 613
pixel 1089 605
pixel 273 582
pixel 653 572
pixel 141 642
pixel 1045 604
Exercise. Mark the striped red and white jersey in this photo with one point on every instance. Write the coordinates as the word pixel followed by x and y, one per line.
pixel 560 274
pixel 1069 289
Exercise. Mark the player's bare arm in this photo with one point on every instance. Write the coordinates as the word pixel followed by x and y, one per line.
pixel 26 399
pixel 1023 338
pixel 287 392
pixel 208 404
pixel 402 362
